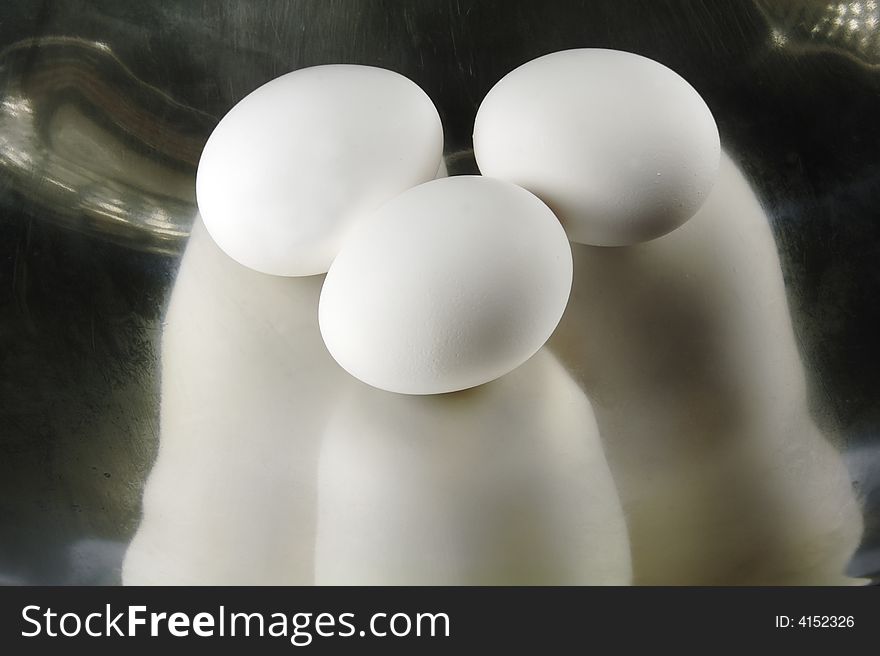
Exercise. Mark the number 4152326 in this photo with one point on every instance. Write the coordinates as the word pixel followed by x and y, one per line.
pixel 815 621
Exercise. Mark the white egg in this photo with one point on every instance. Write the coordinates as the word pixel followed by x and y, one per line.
pixel 293 165
pixel 450 285
pixel 622 148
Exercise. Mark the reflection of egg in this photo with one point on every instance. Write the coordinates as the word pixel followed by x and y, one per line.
pixel 505 484
pixel 450 285
pixel 292 165
pixel 622 148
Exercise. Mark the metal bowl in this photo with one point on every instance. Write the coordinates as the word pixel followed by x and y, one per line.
pixel 104 107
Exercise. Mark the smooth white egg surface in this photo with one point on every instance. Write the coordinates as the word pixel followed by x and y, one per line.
pixel 293 165
pixel 450 285
pixel 621 147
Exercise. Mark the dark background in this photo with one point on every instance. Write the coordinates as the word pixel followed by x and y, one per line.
pixel 794 86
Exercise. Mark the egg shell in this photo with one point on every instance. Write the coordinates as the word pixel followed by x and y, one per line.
pixel 450 285
pixel 293 165
pixel 621 147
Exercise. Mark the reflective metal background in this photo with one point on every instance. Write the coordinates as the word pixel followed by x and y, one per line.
pixel 104 107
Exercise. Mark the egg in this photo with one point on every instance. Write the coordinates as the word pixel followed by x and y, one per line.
pixel 452 284
pixel 622 148
pixel 294 164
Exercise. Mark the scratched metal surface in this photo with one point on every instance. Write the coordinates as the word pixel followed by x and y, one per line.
pixel 104 107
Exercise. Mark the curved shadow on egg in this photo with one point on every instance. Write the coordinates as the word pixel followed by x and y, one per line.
pixel 502 484
pixel 686 349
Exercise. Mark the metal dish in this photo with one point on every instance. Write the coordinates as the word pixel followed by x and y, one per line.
pixel 103 110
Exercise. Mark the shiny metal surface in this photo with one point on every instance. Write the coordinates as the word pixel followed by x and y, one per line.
pixel 104 107
pixel 87 139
